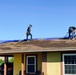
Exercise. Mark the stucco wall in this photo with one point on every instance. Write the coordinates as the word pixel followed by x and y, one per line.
pixel 53 63
pixel 39 62
pixel 17 63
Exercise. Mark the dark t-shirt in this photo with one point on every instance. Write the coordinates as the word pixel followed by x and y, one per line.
pixel 28 29
pixel 71 29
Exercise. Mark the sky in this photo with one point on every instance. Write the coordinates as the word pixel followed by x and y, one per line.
pixel 49 18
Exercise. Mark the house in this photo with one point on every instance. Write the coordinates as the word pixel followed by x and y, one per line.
pixel 41 57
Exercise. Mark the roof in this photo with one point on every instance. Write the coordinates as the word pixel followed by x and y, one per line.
pixel 38 46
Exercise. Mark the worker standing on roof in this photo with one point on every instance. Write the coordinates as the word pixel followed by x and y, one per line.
pixel 71 32
pixel 28 32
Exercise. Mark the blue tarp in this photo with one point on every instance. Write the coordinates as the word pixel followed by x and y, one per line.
pixel 5 41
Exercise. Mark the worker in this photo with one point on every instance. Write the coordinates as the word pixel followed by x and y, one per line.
pixel 28 32
pixel 74 34
pixel 71 32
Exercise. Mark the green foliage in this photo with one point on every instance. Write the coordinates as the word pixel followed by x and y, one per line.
pixel 11 59
pixel 1 61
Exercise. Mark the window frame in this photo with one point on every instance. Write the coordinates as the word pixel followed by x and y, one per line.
pixel 68 64
pixel 30 64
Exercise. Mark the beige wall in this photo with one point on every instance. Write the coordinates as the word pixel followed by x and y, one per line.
pixel 53 63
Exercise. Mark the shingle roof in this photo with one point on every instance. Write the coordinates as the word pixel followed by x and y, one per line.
pixel 38 46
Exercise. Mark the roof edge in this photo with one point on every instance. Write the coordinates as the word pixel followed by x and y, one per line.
pixel 22 51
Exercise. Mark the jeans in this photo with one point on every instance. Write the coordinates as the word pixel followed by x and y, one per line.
pixel 72 35
pixel 27 35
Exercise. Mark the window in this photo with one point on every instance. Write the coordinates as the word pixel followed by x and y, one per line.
pixel 69 64
pixel 31 64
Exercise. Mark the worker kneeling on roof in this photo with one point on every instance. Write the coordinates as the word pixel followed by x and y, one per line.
pixel 72 31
